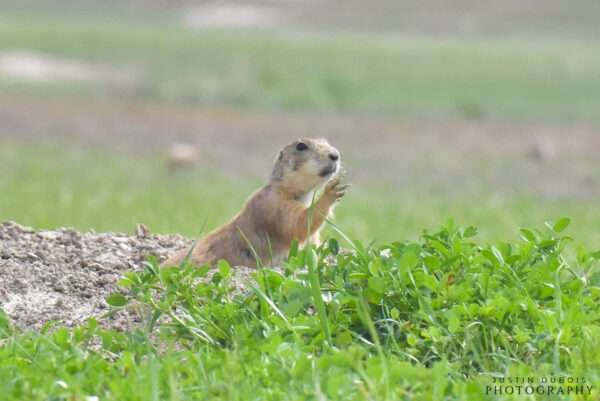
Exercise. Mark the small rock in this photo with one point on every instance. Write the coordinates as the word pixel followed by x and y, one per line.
pixel 181 155
pixel 60 286
pixel 51 235
pixel 142 231
pixel 543 150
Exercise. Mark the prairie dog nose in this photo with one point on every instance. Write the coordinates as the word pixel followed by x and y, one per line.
pixel 334 156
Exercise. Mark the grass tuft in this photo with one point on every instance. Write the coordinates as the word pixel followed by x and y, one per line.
pixel 434 319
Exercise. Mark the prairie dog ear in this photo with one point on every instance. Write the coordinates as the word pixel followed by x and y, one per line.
pixel 277 173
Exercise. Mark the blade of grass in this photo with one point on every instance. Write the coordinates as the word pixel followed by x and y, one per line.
pixel 315 286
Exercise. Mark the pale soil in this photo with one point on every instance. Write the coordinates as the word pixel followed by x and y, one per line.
pixel 33 66
pixel 64 275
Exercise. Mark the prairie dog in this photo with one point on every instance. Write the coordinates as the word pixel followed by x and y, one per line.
pixel 277 213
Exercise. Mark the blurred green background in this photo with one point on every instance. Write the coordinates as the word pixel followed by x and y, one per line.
pixel 171 113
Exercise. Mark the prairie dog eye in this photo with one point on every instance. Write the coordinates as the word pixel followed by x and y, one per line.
pixel 301 146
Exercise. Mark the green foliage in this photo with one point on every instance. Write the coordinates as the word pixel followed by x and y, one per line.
pixel 426 320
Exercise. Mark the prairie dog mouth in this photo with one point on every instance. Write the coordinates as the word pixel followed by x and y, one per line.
pixel 332 168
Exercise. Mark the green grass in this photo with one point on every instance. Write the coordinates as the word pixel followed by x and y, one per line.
pixel 434 319
pixel 526 78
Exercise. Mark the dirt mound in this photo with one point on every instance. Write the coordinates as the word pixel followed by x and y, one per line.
pixel 65 275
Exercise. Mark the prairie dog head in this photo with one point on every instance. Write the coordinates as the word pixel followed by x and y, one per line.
pixel 305 165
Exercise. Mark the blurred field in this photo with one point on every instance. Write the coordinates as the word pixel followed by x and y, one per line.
pixel 424 17
pixel 520 77
pixel 430 126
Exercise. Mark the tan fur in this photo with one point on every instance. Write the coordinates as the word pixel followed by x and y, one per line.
pixel 277 213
